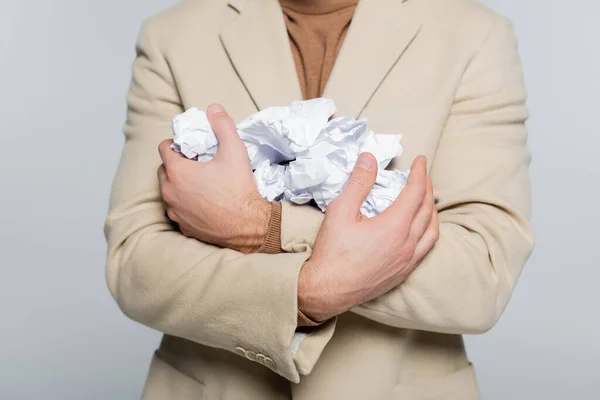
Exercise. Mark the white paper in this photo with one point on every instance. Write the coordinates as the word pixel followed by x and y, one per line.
pixel 298 154
pixel 194 138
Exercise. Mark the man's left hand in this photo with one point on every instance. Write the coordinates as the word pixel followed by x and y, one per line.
pixel 216 202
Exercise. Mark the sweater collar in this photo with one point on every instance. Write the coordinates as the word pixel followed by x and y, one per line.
pixel 317 6
pixel 257 44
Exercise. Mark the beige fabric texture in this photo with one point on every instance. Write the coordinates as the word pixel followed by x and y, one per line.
pixel 445 74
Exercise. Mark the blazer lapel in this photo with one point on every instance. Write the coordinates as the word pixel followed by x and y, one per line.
pixel 379 33
pixel 258 46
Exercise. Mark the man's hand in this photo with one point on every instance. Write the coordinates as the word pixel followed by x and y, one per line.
pixel 356 258
pixel 216 202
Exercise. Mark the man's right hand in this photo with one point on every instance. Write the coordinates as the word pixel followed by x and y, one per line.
pixel 356 258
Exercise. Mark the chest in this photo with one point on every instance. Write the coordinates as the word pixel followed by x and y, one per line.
pixel 414 96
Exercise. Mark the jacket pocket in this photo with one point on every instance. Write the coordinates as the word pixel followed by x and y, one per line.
pixel 166 382
pixel 459 385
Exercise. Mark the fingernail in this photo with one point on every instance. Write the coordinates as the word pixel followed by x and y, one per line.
pixel 365 161
pixel 215 109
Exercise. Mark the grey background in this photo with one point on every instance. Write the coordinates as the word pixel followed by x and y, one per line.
pixel 64 71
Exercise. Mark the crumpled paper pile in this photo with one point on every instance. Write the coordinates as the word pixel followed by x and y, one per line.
pixel 298 154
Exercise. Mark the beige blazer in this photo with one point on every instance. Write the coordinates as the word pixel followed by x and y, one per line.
pixel 445 74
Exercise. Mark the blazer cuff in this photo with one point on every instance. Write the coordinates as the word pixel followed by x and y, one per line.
pixel 299 227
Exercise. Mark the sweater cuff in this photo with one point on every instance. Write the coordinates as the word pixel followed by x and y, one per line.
pixel 272 243
pixel 304 321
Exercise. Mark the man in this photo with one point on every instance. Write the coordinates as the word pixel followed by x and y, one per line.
pixel 279 301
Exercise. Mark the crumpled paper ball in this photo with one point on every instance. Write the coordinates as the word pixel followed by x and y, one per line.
pixel 298 154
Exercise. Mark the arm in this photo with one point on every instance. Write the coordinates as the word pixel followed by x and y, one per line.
pixel 480 174
pixel 180 286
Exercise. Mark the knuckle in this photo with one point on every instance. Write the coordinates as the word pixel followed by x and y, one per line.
pixel 172 215
pixel 167 194
pixel 408 249
pixel 161 172
pixel 359 179
pixel 174 170
pixel 432 239
pixel 164 192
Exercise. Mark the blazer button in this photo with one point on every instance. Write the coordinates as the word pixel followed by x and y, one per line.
pixel 270 363
pixel 251 355
pixel 261 358
pixel 240 350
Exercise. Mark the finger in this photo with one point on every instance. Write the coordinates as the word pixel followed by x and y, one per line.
pixel 162 182
pixel 172 215
pixel 167 154
pixel 162 175
pixel 359 184
pixel 423 216
pixel 408 203
pixel 429 238
pixel 225 130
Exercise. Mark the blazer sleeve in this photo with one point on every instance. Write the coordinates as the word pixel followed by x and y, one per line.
pixel 480 175
pixel 217 297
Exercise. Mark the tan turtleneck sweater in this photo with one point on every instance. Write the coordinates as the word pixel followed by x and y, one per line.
pixel 316 29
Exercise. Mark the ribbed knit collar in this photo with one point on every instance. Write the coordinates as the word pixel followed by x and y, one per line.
pixel 317 6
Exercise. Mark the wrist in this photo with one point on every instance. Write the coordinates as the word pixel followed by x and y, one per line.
pixel 313 299
pixel 254 226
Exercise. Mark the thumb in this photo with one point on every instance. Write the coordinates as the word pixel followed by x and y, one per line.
pixel 225 130
pixel 359 184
